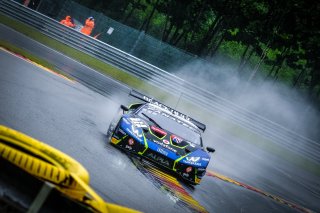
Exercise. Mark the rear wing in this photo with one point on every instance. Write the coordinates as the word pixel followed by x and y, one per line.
pixel 145 98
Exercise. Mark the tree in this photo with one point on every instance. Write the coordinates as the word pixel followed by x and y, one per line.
pixel 281 35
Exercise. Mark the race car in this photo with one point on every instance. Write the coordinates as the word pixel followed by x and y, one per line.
pixel 162 135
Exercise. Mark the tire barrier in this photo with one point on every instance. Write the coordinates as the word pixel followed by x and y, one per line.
pixel 51 165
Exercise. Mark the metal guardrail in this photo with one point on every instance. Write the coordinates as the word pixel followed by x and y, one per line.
pixel 167 81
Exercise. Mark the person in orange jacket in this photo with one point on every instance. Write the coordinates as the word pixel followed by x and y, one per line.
pixel 68 22
pixel 88 27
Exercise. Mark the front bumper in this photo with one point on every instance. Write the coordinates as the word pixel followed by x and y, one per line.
pixel 128 143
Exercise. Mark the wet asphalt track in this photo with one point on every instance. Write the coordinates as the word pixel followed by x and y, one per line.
pixel 74 119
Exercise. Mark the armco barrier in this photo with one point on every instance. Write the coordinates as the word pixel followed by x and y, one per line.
pixel 167 81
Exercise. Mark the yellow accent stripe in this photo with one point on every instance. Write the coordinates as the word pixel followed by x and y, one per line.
pixel 115 141
pixel 179 159
pixel 145 144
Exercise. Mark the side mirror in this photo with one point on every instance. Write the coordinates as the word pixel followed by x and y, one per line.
pixel 210 149
pixel 124 108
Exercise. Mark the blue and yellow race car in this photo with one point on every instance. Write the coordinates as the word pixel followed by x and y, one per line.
pixel 162 135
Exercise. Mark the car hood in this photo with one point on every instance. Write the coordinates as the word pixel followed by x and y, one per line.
pixel 166 142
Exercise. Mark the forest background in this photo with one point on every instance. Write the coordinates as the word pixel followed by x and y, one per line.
pixel 278 39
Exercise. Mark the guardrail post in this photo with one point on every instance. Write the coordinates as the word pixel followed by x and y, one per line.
pixel 141 35
pixel 41 197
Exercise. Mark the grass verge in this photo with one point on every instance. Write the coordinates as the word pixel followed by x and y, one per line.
pixel 12 48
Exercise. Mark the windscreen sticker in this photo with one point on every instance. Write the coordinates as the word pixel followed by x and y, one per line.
pixel 151 100
pixel 154 111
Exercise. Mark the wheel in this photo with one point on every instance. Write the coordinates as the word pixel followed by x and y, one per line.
pixel 113 124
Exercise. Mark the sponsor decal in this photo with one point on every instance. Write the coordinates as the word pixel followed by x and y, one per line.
pixel 188 169
pixel 176 120
pixel 166 141
pixel 166 108
pixel 201 169
pixel 159 159
pixel 155 111
pixel 192 162
pixel 129 130
pixel 193 159
pixel 205 159
pixel 156 129
pixel 185 175
pixel 162 151
pixel 147 99
pixel 130 141
pixel 128 147
pixel 176 139
pixel 136 132
pixel 165 146
pixel 152 110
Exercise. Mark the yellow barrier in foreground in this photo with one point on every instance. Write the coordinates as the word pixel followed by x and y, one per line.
pixel 52 165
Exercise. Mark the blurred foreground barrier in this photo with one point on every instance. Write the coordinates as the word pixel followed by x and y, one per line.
pixel 55 168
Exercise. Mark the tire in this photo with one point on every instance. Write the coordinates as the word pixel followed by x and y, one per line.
pixel 113 124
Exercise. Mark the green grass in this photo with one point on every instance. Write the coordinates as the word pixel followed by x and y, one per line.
pixel 134 82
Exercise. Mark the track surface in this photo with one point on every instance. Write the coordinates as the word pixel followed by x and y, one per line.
pixel 74 119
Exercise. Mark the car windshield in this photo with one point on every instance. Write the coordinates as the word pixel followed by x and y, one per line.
pixel 166 120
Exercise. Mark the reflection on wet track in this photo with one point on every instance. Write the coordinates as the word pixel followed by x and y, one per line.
pixel 169 185
pixel 276 198
pixel 177 193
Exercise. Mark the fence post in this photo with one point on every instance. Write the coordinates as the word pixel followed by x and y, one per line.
pixel 141 35
pixel 41 197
